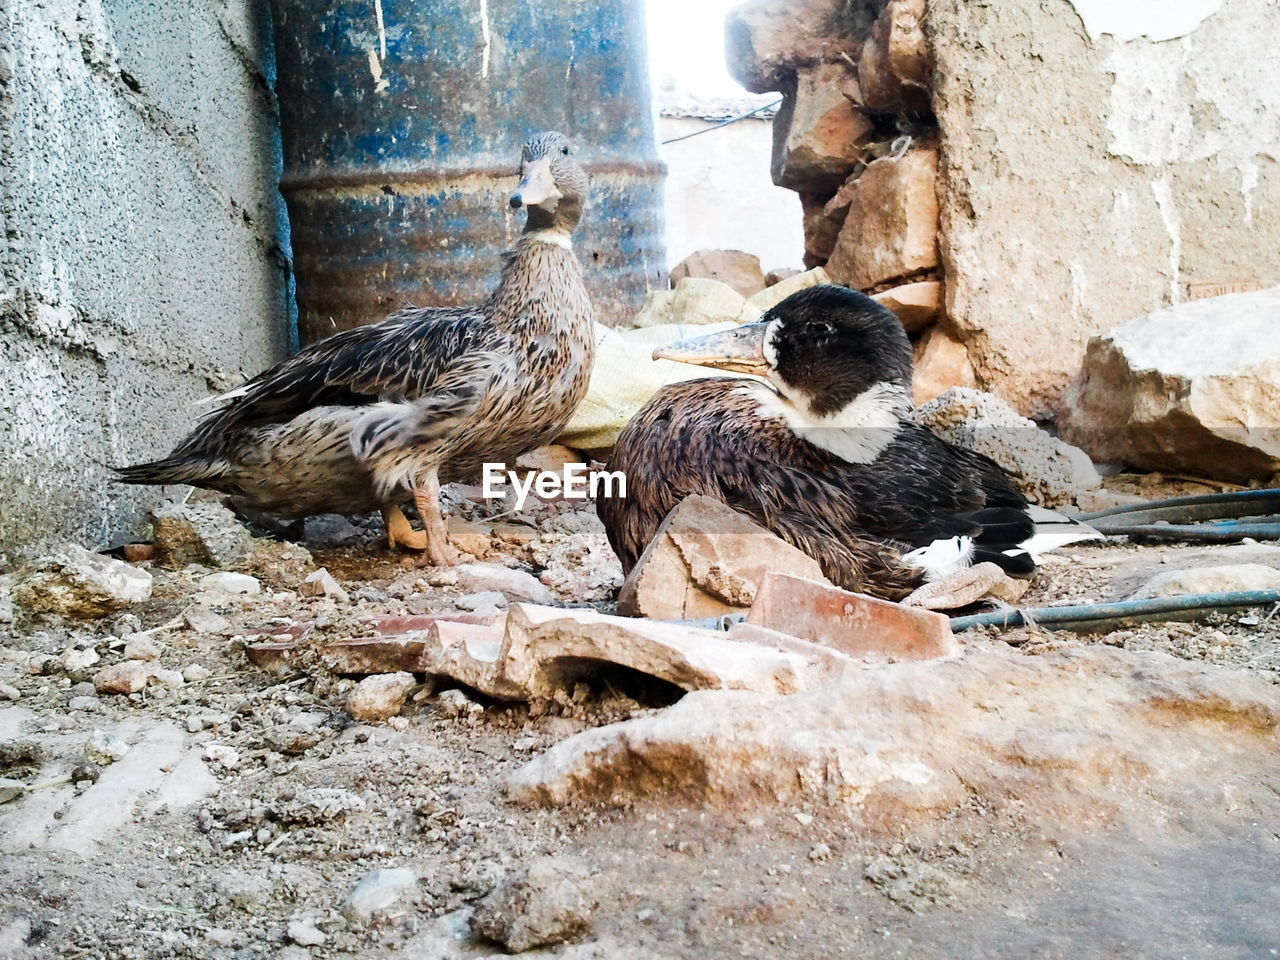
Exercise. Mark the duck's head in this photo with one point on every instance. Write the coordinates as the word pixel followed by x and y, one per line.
pixel 822 348
pixel 553 185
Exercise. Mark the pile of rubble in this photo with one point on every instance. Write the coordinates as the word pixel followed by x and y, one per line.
pixel 855 138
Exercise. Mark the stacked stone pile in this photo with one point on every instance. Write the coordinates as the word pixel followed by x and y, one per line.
pixel 856 139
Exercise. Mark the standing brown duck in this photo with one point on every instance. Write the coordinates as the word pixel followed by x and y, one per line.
pixel 371 415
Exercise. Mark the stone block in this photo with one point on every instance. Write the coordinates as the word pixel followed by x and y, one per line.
pixel 75 582
pixel 706 560
pixel 918 305
pixel 779 291
pixel 818 134
pixel 701 300
pixel 891 230
pixel 1047 470
pixel 896 69
pixel 202 532
pixel 657 310
pixel 1194 388
pixel 854 624
pixel 736 268
pixel 379 697
pixel 767 41
pixel 941 362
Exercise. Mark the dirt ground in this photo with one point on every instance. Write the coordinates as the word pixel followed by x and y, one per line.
pixel 304 803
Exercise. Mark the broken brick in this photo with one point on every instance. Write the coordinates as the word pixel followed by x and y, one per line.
pixel 852 623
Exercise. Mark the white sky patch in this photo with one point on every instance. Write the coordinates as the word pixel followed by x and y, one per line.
pixel 686 44
pixel 1154 19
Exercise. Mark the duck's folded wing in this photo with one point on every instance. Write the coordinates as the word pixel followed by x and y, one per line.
pixel 424 421
pixel 404 356
pixel 922 489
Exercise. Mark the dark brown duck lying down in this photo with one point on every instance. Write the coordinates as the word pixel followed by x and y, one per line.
pixel 371 415
pixel 820 454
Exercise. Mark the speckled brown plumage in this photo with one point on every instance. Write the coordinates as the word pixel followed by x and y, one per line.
pixel 361 419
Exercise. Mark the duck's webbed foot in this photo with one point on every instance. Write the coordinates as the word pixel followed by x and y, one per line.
pixel 967 586
pixel 438 552
pixel 400 533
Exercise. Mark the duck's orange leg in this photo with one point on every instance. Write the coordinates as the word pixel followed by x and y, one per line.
pixel 399 532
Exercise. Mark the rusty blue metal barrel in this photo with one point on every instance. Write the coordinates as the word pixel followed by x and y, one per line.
pixel 402 120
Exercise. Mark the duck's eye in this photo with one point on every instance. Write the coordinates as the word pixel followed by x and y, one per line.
pixel 565 151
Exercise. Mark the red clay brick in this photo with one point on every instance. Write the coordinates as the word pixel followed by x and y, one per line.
pixel 854 624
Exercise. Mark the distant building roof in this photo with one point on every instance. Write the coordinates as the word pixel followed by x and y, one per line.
pixel 680 103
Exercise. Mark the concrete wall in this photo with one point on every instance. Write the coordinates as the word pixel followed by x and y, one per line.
pixel 719 194
pixel 142 264
pixel 1099 161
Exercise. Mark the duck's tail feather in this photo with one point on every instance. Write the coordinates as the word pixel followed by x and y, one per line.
pixel 1054 530
pixel 168 470
pixel 941 558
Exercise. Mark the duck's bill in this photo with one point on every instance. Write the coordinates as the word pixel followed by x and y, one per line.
pixel 538 185
pixel 740 350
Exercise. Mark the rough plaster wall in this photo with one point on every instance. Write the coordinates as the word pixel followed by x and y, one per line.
pixel 719 194
pixel 1086 181
pixel 142 265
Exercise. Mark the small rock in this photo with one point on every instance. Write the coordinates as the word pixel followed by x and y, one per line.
pixel 167 678
pixel 470 538
pixel 138 552
pixel 220 753
pixel 85 772
pixel 487 601
pixel 941 362
pixel 822 134
pixel 1191 388
pixel 206 621
pixel 455 703
pixel 105 748
pixel 222 937
pixel 227 582
pixel 376 892
pixel 516 585
pixel 78 583
pixel 84 703
pixel 304 933
pixel 194 673
pixel 892 227
pixel 10 692
pixel 321 583
pixel 738 269
pixel 128 677
pixel 819 851
pixel 11 789
pixel 205 533
pixel 142 647
pixel 549 902
pixel 916 305
pixel 379 697
pixel 76 661
pixel 705 560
